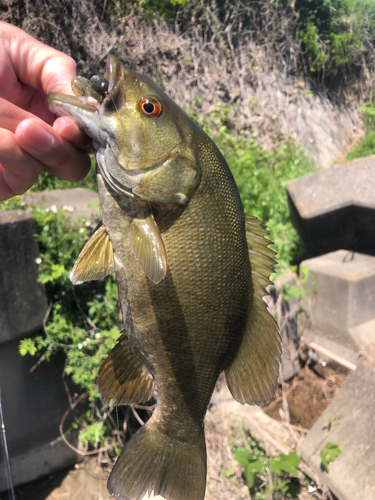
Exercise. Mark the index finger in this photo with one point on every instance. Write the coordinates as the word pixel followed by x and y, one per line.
pixel 35 63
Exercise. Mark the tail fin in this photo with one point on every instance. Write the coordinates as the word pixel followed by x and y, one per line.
pixel 155 462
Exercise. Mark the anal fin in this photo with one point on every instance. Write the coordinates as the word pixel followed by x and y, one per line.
pixel 252 376
pixel 122 379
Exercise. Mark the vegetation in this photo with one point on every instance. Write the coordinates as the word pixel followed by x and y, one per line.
pixel 330 452
pixel 225 62
pixel 366 146
pixel 267 476
pixel 83 321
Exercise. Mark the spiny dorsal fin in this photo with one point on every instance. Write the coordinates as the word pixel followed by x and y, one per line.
pixel 96 260
pixel 148 246
pixel 252 376
pixel 122 379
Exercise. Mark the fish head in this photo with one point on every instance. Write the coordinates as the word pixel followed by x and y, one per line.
pixel 139 136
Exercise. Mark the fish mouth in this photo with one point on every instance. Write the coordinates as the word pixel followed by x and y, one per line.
pixel 90 115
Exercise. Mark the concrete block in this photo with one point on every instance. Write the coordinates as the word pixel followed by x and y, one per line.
pixel 80 202
pixel 33 406
pixel 22 300
pixel 349 423
pixel 335 208
pixel 286 318
pixel 344 297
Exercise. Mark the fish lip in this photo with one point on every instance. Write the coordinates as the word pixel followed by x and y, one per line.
pixel 85 103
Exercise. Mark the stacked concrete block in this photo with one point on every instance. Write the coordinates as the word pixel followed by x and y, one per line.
pixel 335 209
pixel 33 403
pixel 334 214
pixel 341 308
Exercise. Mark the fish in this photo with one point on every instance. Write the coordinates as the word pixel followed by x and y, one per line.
pixel 191 269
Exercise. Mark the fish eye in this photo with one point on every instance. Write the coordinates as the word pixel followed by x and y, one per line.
pixel 150 107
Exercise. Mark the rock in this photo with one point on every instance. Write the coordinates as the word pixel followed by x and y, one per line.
pixel 347 422
pixel 342 303
pixel 80 202
pixel 23 303
pixel 335 208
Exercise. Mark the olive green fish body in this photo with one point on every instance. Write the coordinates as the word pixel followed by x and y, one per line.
pixel 175 232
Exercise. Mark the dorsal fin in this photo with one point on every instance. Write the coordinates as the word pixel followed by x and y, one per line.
pixel 96 260
pixel 252 376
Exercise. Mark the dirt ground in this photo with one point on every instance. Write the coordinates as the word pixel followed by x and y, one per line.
pixel 307 395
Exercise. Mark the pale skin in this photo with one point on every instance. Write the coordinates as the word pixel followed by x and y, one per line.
pixel 31 138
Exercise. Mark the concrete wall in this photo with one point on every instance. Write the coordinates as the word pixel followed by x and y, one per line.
pixel 33 403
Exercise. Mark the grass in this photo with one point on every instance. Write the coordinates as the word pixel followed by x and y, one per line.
pixel 365 147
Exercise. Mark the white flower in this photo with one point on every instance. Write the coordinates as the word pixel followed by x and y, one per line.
pixel 97 336
pixel 54 209
pixel 87 223
pixel 68 208
pixel 38 260
pixel 79 346
pixel 82 230
pixel 88 341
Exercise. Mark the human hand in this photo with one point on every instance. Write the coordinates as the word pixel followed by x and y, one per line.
pixel 30 137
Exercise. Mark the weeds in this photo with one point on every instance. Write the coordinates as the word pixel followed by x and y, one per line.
pixel 267 476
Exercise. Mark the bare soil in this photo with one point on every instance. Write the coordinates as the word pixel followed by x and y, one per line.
pixel 308 395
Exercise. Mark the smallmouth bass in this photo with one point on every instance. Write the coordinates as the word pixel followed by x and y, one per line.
pixel 191 270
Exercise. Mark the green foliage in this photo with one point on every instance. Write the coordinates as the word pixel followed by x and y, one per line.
pixel 267 476
pixel 329 454
pixel 166 8
pixel 365 147
pixel 336 35
pixel 83 321
pixel 299 290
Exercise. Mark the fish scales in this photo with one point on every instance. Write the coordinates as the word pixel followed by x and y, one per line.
pixel 177 236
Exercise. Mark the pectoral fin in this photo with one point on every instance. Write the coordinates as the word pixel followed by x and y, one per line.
pixel 96 260
pixel 252 376
pixel 122 379
pixel 148 246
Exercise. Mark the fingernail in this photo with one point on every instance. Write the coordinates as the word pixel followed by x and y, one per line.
pixel 38 139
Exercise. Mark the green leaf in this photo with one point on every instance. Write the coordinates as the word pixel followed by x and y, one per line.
pixel 295 291
pixel 250 478
pixel 329 454
pixel 242 456
pixel 288 463
pixel 27 346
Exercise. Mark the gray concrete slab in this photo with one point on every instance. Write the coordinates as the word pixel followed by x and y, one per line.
pixel 33 406
pixel 23 303
pixel 349 423
pixel 343 301
pixel 335 208
pixel 78 201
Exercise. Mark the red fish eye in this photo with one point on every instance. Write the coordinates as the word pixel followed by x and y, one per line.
pixel 150 107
